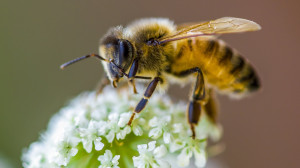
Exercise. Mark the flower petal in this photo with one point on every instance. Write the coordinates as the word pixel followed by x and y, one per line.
pixel 176 145
pixel 200 158
pixel 183 158
pixel 137 130
pixel 87 145
pixel 163 164
pixel 167 137
pixel 155 133
pixel 98 144
pixel 110 136
pixel 115 160
pixel 160 151
pixel 151 145
pixel 124 118
pixel 153 122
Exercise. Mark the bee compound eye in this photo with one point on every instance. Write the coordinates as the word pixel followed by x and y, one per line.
pixel 125 51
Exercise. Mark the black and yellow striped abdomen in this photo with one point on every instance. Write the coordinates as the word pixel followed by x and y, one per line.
pixel 224 68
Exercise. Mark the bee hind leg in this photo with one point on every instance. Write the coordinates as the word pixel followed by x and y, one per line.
pixel 148 93
pixel 197 99
pixel 211 106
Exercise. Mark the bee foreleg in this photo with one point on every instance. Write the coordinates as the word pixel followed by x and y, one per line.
pixel 148 93
pixel 197 99
pixel 132 73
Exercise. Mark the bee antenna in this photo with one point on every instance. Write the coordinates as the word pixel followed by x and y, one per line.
pixel 81 58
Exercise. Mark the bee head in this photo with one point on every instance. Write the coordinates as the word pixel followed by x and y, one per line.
pixel 116 55
pixel 119 52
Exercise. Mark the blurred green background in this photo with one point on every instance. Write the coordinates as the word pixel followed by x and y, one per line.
pixel 37 36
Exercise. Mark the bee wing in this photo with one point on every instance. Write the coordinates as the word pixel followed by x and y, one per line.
pixel 220 26
pixel 188 24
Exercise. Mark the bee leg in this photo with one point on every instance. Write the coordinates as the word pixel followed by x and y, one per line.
pixel 148 93
pixel 211 108
pixel 194 112
pixel 132 73
pixel 104 82
pixel 197 99
pixel 132 83
pixel 195 105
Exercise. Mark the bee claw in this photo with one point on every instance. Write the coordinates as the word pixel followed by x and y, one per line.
pixel 114 84
pixel 131 119
pixel 135 91
pixel 132 83
pixel 193 131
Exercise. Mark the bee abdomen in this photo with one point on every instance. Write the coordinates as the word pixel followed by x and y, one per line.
pixel 226 56
pixel 237 63
pixel 245 74
pixel 212 47
pixel 218 51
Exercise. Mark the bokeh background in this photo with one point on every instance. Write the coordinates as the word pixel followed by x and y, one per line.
pixel 37 36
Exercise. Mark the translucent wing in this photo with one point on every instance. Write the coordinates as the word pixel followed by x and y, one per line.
pixel 220 26
pixel 188 24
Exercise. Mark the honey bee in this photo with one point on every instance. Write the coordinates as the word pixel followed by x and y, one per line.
pixel 155 49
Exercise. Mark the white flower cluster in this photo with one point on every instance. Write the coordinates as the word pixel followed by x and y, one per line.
pixel 92 131
pixel 5 162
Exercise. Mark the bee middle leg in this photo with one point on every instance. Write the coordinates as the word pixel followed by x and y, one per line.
pixel 197 98
pixel 148 93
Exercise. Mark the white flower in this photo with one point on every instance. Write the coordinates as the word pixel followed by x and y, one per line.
pixel 177 128
pixel 108 161
pixel 90 135
pixel 192 147
pixel 205 128
pixel 150 156
pixel 176 144
pixel 184 157
pixel 124 118
pixel 135 126
pixel 35 152
pixel 90 125
pixel 160 126
pixel 66 148
pixel 114 129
